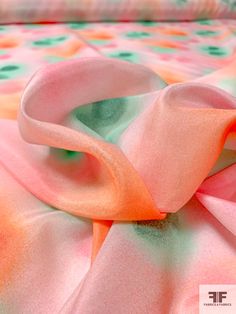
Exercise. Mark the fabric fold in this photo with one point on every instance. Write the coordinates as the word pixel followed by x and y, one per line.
pixel 163 155
pixel 184 132
pixel 106 140
pixel 218 195
pixel 48 99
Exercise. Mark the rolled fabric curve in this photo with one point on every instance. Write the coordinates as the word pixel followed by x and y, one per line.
pixel 181 129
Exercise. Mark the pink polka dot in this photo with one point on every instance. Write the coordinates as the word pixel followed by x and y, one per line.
pixel 3 57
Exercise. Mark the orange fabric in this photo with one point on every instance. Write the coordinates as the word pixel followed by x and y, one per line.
pixel 100 231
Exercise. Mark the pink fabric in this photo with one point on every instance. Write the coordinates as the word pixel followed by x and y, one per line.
pixel 176 51
pixel 12 11
pixel 172 153
pixel 217 194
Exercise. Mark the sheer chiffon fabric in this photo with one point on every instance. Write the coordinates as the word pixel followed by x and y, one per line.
pixel 151 166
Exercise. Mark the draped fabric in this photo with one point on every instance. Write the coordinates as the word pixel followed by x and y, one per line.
pixel 117 154
pixel 117 190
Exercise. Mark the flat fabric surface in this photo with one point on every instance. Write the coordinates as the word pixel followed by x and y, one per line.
pixel 127 162
pixel 26 11
pixel 176 51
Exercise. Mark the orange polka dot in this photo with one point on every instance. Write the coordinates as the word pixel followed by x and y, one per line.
pixel 12 241
pixel 164 43
pixel 96 35
pixel 173 32
pixel 66 51
pixel 7 42
pixel 9 105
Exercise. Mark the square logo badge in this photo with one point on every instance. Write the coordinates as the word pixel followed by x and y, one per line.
pixel 217 299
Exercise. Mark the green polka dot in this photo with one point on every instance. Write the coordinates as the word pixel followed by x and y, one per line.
pixel 107 119
pixel 2 28
pixel 10 71
pixel 9 68
pixel 69 154
pixel 104 111
pixel 148 23
pixel 169 242
pixel 205 22
pixel 61 38
pixel 216 51
pixel 49 41
pixel 207 33
pixel 43 42
pixel 153 230
pixel 78 25
pixel 137 35
pixel 125 55
pixel 102 114
pixel 66 155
